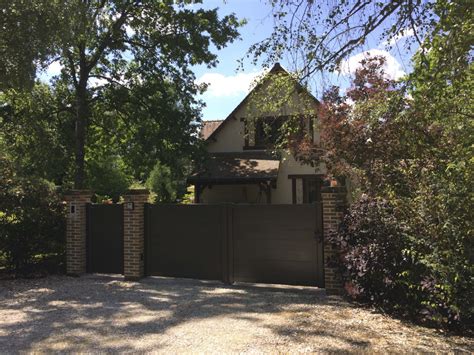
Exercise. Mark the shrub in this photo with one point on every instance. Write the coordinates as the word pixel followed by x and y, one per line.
pixel 107 178
pixel 32 221
pixel 162 183
pixel 377 264
pixel 384 264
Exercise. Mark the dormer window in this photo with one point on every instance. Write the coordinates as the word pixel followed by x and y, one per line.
pixel 265 132
pixel 268 130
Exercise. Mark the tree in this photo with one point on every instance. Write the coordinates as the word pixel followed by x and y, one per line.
pixel 104 44
pixel 37 128
pixel 410 231
pixel 318 35
pixel 32 220
pixel 27 30
pixel 367 132
pixel 130 129
pixel 162 183
pixel 408 143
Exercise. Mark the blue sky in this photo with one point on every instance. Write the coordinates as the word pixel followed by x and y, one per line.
pixel 229 86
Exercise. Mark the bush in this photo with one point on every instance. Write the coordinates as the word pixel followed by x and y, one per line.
pixel 377 264
pixel 32 221
pixel 107 178
pixel 162 183
pixel 384 264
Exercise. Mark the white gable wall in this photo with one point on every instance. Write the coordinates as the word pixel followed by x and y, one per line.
pixel 230 138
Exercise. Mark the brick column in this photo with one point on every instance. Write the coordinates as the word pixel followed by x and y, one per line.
pixel 76 231
pixel 134 233
pixel 334 200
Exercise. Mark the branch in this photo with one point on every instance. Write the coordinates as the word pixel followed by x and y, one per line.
pixel 108 38
pixel 72 67
pixel 113 81
pixel 350 45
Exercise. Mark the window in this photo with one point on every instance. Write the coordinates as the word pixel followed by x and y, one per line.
pixel 267 130
pixel 311 190
pixel 306 188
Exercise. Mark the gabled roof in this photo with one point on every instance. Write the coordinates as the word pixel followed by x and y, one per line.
pixel 208 127
pixel 277 69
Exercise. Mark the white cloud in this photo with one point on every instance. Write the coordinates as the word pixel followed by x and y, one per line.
pixel 54 69
pixel 130 31
pixel 224 86
pixel 96 82
pixel 392 68
pixel 404 33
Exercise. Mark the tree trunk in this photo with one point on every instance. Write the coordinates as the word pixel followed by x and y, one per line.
pixel 82 116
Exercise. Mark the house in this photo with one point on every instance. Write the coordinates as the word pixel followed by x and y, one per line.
pixel 243 165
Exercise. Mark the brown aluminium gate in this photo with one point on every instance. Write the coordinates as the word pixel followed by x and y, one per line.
pixel 249 243
pixel 104 241
pixel 185 241
pixel 278 244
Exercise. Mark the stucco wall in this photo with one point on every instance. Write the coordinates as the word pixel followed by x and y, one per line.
pixel 289 166
pixel 282 194
pixel 231 138
pixel 228 139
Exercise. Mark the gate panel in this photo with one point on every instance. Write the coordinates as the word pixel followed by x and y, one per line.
pixel 185 241
pixel 278 244
pixel 105 238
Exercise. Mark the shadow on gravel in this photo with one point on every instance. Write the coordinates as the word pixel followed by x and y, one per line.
pixel 61 313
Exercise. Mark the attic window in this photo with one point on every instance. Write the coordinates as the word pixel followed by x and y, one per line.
pixel 267 130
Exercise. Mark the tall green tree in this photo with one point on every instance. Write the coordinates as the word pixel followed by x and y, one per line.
pixel 27 39
pixel 130 129
pixel 407 241
pixel 103 44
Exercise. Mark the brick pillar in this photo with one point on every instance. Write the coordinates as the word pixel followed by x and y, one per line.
pixel 76 231
pixel 134 233
pixel 334 200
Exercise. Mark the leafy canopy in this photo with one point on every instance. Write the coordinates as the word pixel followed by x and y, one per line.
pixel 126 87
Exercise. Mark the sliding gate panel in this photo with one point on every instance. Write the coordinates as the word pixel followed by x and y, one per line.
pixel 278 244
pixel 105 238
pixel 185 241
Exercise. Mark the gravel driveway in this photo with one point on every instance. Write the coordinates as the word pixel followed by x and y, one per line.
pixel 103 313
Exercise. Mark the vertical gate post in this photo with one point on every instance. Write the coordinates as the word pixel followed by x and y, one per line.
pixel 229 243
pixel 333 201
pixel 134 233
pixel 76 231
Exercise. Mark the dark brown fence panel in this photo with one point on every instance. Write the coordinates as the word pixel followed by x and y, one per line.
pixel 278 244
pixel 186 241
pixel 105 238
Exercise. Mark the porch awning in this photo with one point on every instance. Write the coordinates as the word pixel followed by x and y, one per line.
pixel 237 168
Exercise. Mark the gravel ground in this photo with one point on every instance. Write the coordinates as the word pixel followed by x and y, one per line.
pixel 105 314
